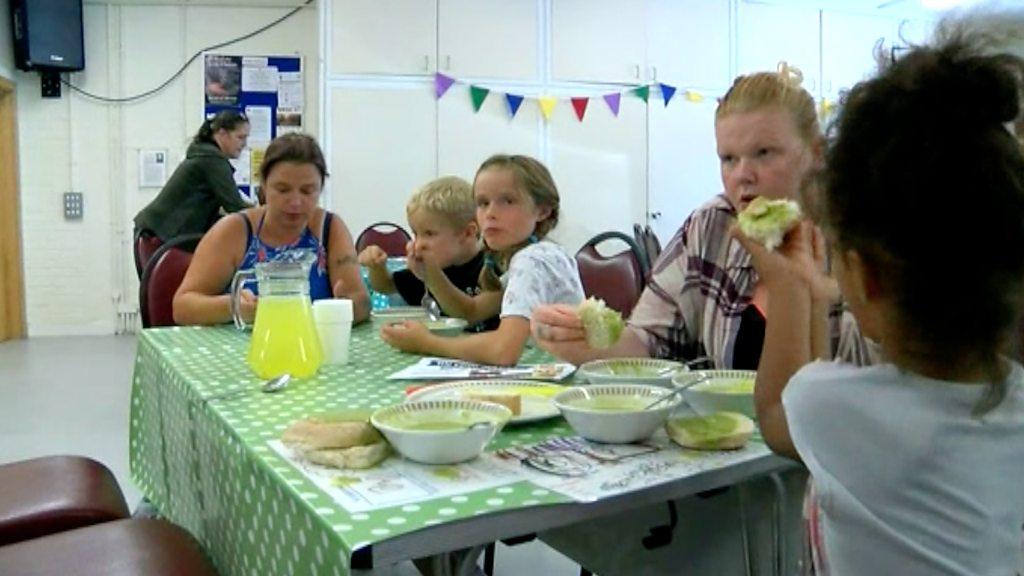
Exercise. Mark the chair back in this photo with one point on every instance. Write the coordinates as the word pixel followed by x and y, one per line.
pixel 617 279
pixel 389 236
pixel 161 278
pixel 651 246
pixel 144 245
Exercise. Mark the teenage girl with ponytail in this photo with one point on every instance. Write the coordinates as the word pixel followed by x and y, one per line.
pixel 517 206
pixel 203 184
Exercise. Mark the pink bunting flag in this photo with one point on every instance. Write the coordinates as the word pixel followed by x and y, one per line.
pixel 613 102
pixel 441 84
pixel 580 106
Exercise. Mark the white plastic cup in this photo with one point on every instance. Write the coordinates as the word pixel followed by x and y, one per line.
pixel 333 318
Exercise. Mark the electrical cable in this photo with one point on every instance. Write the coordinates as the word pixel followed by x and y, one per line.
pixel 187 63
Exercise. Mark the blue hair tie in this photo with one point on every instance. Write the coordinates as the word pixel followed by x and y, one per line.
pixel 533 239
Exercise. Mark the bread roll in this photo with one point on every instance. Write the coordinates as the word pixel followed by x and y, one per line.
pixel 355 457
pixel 320 433
pixel 510 400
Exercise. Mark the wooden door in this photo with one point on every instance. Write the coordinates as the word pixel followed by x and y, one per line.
pixel 12 291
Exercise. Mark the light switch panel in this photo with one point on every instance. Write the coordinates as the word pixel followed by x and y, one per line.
pixel 73 206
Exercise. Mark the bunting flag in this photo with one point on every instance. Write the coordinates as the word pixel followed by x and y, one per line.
pixel 693 96
pixel 478 95
pixel 514 102
pixel 667 92
pixel 547 105
pixel 613 102
pixel 441 84
pixel 580 106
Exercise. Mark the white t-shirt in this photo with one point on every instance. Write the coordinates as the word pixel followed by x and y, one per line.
pixel 540 273
pixel 906 480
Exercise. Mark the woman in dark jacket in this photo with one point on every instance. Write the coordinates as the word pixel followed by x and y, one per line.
pixel 202 184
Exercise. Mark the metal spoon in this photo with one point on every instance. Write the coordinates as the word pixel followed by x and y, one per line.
pixel 430 306
pixel 269 387
pixel 676 391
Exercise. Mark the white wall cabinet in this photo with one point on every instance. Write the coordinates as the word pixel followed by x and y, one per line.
pixel 688 43
pixel 420 37
pixel 599 166
pixel 383 37
pixel 598 41
pixel 382 149
pixel 770 34
pixel 488 39
pixel 850 45
pixel 641 41
pixel 683 170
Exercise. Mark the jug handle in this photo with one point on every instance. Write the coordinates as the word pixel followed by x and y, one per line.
pixel 237 282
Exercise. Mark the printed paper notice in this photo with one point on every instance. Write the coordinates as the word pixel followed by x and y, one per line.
pixel 259 78
pixel 259 124
pixel 241 165
pixel 152 168
pixel 398 481
pixel 289 92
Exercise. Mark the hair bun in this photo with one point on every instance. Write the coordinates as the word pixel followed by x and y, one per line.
pixel 790 75
pixel 980 90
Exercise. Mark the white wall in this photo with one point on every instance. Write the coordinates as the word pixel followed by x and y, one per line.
pixel 79 275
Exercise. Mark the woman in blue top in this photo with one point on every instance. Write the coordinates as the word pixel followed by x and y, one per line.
pixel 292 175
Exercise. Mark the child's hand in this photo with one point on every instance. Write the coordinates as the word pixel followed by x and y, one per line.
pixel 407 336
pixel 373 256
pixel 801 255
pixel 247 305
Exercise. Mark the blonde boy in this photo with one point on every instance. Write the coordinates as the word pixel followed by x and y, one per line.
pixel 442 216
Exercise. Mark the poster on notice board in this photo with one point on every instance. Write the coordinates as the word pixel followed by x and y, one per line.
pixel 268 90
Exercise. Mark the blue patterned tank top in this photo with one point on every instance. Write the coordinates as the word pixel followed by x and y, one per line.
pixel 258 251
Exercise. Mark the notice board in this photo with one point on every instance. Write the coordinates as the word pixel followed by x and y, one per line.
pixel 268 90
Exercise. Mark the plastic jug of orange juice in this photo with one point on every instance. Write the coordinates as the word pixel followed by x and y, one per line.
pixel 284 338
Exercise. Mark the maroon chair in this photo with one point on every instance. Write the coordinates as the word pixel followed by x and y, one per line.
pixel 53 494
pixel 617 279
pixel 390 237
pixel 161 278
pixel 137 547
pixel 144 245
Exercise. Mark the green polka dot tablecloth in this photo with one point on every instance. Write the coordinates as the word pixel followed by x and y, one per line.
pixel 207 465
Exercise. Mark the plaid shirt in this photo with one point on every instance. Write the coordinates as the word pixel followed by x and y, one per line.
pixel 700 286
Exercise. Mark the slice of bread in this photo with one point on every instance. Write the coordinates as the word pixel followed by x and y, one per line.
pixel 326 433
pixel 357 457
pixel 511 400
pixel 717 431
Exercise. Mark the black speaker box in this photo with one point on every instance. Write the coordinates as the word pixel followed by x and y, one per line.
pixel 48 35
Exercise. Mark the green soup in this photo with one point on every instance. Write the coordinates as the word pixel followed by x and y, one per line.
pixel 635 370
pixel 738 386
pixel 436 421
pixel 611 403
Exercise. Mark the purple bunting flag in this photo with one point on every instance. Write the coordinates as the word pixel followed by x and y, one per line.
pixel 613 102
pixel 441 84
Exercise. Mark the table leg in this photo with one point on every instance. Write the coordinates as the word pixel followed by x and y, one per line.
pixel 456 563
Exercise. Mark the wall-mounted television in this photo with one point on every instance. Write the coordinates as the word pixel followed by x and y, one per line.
pixel 48 35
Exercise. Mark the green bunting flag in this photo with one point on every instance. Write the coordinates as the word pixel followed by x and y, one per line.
pixel 478 95
pixel 642 92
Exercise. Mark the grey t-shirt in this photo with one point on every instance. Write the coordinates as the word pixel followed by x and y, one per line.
pixel 540 273
pixel 905 479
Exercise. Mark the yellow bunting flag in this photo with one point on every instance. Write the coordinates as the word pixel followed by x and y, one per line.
pixel 547 105
pixel 693 96
pixel 826 107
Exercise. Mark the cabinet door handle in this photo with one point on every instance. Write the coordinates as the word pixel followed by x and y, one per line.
pixel 654 73
pixel 655 215
pixel 636 71
pixel 447 61
pixel 426 63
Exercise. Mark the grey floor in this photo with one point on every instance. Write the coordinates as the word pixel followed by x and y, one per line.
pixel 70 395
